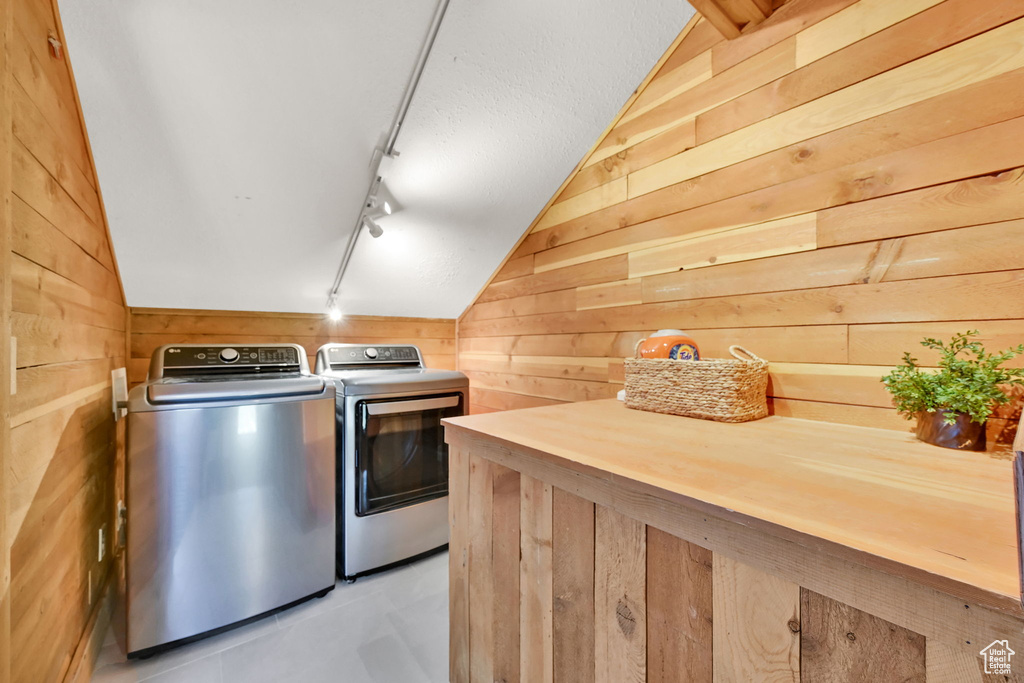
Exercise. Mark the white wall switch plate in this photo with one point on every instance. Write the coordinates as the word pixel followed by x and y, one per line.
pixel 119 382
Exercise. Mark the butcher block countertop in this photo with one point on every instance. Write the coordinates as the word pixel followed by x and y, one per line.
pixel 877 497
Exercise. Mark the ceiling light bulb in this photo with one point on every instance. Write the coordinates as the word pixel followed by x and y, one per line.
pixel 387 207
pixel 334 313
pixel 372 227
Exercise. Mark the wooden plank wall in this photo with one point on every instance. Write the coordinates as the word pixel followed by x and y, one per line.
pixel 836 183
pixel 153 327
pixel 67 313
pixel 596 595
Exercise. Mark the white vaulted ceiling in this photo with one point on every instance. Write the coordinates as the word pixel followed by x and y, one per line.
pixel 232 138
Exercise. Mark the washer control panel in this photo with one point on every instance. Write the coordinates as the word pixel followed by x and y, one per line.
pixel 220 358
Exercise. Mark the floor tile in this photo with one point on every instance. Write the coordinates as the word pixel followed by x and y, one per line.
pixel 390 627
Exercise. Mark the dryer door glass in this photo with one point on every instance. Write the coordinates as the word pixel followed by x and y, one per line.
pixel 401 456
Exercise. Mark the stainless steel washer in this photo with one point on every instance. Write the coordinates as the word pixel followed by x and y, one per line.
pixel 392 461
pixel 230 494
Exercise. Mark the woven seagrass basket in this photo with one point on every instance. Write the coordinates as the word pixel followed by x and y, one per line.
pixel 722 389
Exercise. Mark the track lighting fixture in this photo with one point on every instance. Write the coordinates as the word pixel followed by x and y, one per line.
pixel 372 227
pixel 381 202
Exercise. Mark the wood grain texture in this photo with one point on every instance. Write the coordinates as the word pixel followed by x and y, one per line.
pixel 6 364
pixel 150 328
pixel 481 571
pixel 62 298
pixel 505 548
pixel 679 609
pixel 573 587
pixel 840 168
pixel 535 590
pixel 458 564
pixel 620 598
pixel 840 644
pixel 757 625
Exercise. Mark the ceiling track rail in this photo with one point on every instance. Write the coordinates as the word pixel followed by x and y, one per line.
pixel 388 150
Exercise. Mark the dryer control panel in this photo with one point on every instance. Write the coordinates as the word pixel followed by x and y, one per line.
pixel 347 356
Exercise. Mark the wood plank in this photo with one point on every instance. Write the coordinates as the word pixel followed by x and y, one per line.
pixel 996 52
pixel 529 304
pixel 458 565
pixel 663 145
pixel 584 203
pixel 884 344
pixel 592 272
pixel 951 665
pixel 535 617
pixel 32 130
pixel 543 387
pixel 756 625
pixel 44 340
pixel 515 268
pixel 760 69
pixel 930 164
pixel 621 293
pixel 702 36
pixel 500 400
pixel 840 644
pixel 988 199
pixel 6 364
pixel 930 30
pixel 717 17
pixel 960 111
pixel 772 238
pixel 37 188
pixel 679 609
pixel 310 325
pixel 841 413
pixel 572 585
pixel 481 571
pixel 37 240
pixel 620 602
pixel 38 291
pixel 854 24
pixel 788 20
pixel 505 549
pixel 847 384
pixel 674 83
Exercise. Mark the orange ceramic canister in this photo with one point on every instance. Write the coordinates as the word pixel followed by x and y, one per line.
pixel 674 344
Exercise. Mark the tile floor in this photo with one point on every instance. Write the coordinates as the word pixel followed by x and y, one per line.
pixel 387 628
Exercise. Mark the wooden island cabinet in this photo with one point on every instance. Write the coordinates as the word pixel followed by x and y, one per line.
pixel 590 542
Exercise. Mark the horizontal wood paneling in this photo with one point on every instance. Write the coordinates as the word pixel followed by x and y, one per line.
pixel 68 315
pixel 825 189
pixel 153 327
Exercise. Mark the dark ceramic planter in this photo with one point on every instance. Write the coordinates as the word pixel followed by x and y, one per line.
pixel 963 435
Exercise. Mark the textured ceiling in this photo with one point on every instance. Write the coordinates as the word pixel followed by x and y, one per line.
pixel 232 138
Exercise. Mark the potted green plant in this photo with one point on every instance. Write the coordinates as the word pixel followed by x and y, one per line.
pixel 952 404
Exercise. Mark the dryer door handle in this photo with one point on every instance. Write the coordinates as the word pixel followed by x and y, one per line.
pixel 397 407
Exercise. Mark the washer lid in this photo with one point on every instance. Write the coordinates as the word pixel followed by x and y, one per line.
pixel 393 381
pixel 200 389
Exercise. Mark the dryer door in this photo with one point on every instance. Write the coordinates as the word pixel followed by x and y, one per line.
pixel 401 456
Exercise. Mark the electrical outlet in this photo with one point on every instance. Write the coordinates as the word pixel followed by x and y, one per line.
pixel 103 543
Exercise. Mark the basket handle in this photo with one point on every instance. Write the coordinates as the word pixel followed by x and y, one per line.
pixel 748 354
pixel 636 349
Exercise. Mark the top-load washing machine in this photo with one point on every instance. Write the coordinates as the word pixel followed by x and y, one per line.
pixel 230 496
pixel 392 461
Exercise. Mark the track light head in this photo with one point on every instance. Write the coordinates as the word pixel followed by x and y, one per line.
pixel 372 227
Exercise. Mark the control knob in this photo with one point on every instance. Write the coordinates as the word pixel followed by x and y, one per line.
pixel 229 355
pixel 371 353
